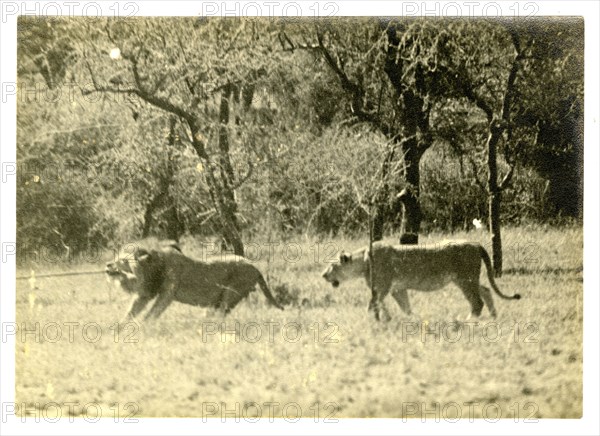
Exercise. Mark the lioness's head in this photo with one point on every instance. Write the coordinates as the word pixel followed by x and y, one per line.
pixel 345 268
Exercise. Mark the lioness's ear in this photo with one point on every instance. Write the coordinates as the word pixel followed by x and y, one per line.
pixel 344 258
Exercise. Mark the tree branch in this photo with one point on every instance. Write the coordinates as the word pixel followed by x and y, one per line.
pixel 348 85
pixel 512 76
pixel 507 178
pixel 154 100
pixel 459 81
pixel 508 96
pixel 242 180
pixel 476 176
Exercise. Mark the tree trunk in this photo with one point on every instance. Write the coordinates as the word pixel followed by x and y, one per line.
pixel 381 205
pixel 150 207
pixel 163 198
pixel 228 208
pixel 174 225
pixel 495 197
pixel 495 200
pixel 411 211
pixel 378 217
pixel 378 222
pixel 373 304
pixel 414 133
pixel 219 195
pixel 411 207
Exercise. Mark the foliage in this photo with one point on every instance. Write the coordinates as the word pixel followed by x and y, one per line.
pixel 296 144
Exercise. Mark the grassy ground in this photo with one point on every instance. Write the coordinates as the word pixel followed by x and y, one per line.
pixel 324 353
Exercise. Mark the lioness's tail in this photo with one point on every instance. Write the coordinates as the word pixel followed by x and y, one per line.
pixel 263 286
pixel 488 266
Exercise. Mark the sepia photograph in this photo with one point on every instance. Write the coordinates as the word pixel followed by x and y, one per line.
pixel 284 219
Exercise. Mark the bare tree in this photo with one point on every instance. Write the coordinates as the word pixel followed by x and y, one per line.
pixel 386 89
pixel 367 182
pixel 193 70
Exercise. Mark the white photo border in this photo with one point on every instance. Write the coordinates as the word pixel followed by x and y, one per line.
pixel 158 426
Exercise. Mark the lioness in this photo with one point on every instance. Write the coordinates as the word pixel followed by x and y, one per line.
pixel 419 268
pixel 168 275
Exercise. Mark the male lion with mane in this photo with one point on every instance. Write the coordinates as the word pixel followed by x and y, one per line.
pixel 420 268
pixel 166 275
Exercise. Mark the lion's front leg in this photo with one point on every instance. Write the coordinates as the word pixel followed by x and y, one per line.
pixel 137 305
pixel 162 302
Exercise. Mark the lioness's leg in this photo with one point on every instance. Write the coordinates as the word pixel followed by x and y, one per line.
pixel 486 294
pixel 137 305
pixel 162 302
pixel 379 308
pixel 471 291
pixel 374 306
pixel 401 297
pixel 378 293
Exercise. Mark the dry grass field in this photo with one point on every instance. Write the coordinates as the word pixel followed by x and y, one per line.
pixel 324 354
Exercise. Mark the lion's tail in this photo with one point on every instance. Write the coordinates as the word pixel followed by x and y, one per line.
pixel 263 286
pixel 488 266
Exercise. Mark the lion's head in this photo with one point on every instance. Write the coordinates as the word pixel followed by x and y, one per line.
pixel 139 270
